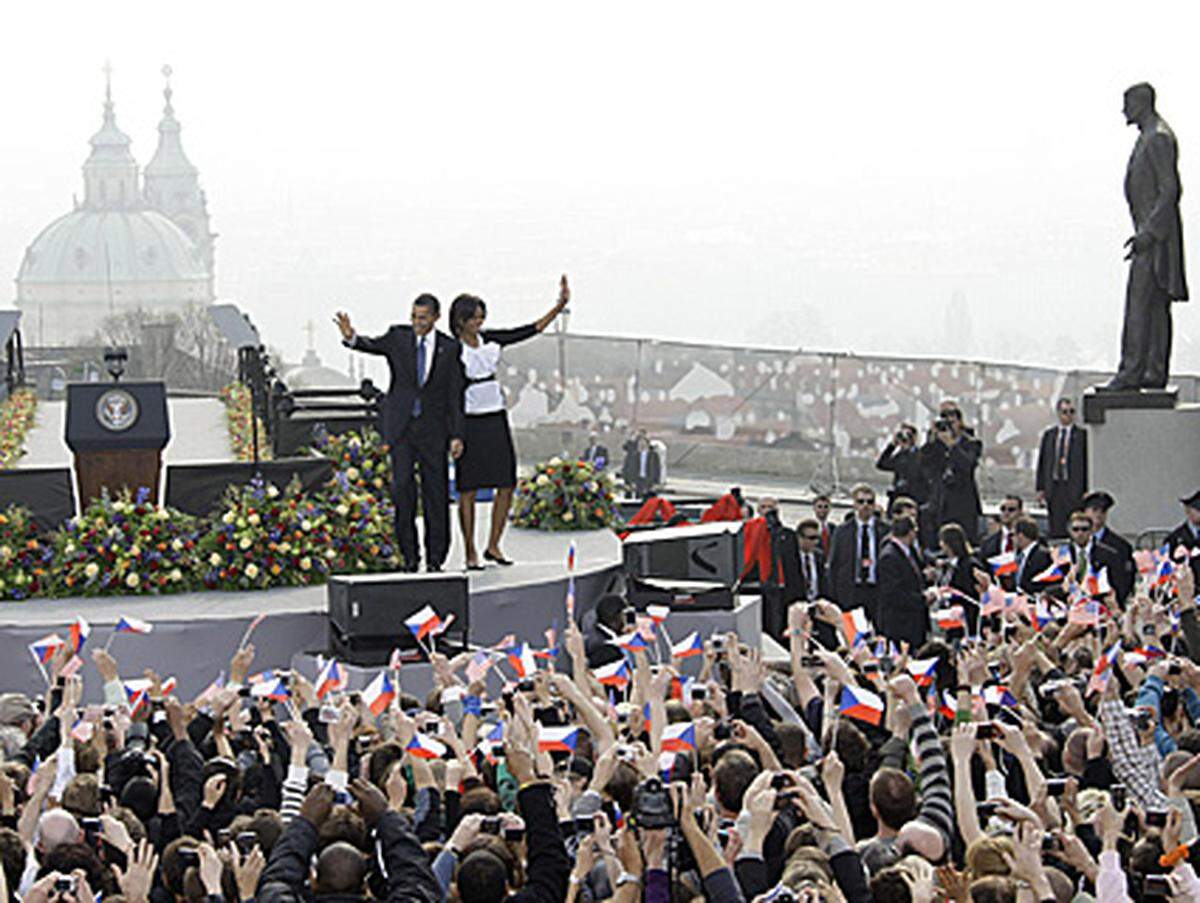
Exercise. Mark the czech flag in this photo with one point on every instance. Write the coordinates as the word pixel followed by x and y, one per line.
pixel 571 597
pixel 132 625
pixel 615 674
pixel 571 556
pixel 272 688
pixel 1004 563
pixel 43 650
pixel 168 686
pixel 557 739
pixel 551 651
pixel 1103 670
pixel 923 670
pixel 1058 567
pixel 521 658
pixel 332 677
pixel 425 747
pixel 945 703
pixel 79 631
pixel 423 623
pixel 855 625
pixel 1142 655
pixel 949 618
pixel 1041 615
pixel 862 704
pixel 379 693
pixel 658 613
pixel 1096 582
pixel 137 692
pixel 998 694
pixel 632 642
pixel 687 647
pixel 679 737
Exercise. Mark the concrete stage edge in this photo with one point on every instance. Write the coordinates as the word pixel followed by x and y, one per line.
pixel 196 633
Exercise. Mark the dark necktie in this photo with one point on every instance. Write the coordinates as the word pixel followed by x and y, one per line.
pixel 810 570
pixel 864 541
pixel 420 374
pixel 1064 444
pixel 1008 541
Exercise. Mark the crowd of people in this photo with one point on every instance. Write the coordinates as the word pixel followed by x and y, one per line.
pixel 1034 752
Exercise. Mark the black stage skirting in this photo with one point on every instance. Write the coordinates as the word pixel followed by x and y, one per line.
pixel 45 491
pixel 197 488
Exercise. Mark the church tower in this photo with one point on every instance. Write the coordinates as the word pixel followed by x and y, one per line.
pixel 172 184
pixel 110 174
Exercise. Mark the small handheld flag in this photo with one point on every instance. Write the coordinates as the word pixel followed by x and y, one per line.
pixel 855 625
pixel 557 739
pixel 422 746
pixel 520 657
pixel 862 704
pixel 423 623
pixel 379 693
pixel 331 678
pixel 78 633
pixel 679 736
pixel 687 647
pixel 614 674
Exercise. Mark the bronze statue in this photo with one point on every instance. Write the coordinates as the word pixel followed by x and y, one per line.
pixel 1155 250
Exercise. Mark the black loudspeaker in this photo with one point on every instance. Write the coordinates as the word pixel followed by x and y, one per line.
pixel 367 613
pixel 707 552
pixel 681 595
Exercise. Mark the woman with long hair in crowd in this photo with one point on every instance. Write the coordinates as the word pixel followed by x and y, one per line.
pixel 488 460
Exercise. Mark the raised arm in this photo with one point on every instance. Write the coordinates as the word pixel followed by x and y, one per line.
pixel 351 339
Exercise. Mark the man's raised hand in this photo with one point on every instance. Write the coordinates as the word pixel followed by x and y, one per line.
pixel 342 319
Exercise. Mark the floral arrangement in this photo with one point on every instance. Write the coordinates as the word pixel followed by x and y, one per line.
pixel 124 545
pixel 16 417
pixel 361 461
pixel 238 411
pixel 564 495
pixel 25 560
pixel 265 537
pixel 360 528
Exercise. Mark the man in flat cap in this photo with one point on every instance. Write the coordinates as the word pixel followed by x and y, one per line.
pixel 1187 534
pixel 1097 505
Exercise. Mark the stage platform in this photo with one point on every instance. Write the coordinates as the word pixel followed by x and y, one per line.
pixel 196 633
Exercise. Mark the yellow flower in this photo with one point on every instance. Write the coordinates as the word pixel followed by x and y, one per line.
pixel 305 563
pixel 91 570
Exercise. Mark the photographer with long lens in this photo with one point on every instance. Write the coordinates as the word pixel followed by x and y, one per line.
pixel 949 458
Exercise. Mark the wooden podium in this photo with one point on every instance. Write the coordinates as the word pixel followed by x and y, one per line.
pixel 117 432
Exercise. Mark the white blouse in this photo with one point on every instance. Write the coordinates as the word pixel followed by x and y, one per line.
pixel 482 363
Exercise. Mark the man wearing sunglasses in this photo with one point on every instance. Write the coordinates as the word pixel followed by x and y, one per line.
pixel 1089 555
pixel 854 559
pixel 1062 475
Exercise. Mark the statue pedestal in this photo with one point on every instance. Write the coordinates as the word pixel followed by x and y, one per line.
pixel 1144 448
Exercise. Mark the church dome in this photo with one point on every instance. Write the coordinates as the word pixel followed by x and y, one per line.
pixel 312 374
pixel 111 247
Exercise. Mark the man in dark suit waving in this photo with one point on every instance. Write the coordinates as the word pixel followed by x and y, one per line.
pixel 422 420
pixel 1062 475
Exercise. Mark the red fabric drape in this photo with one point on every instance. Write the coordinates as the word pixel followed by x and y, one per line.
pixel 724 508
pixel 653 508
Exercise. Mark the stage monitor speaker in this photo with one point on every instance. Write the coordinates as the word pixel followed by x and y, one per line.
pixel 681 595
pixel 367 613
pixel 709 552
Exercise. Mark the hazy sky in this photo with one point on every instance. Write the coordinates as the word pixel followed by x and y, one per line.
pixel 786 174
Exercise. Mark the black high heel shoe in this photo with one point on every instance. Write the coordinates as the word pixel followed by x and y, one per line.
pixel 498 559
pixel 474 567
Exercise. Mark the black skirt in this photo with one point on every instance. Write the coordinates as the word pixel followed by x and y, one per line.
pixel 488 460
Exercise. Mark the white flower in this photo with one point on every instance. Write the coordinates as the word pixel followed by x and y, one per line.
pixel 214 559
pixel 555 461
pixel 241 522
pixel 352 473
pixel 176 575
pixel 568 516
pixel 244 543
pixel 228 517
pixel 305 563
pixel 177 545
pixel 272 492
pixel 342 510
pixel 331 553
pixel 91 569
pixel 253 520
pixel 6 552
pixel 543 480
pixel 306 525
pixel 135 550
pixel 162 514
pixel 285 547
pixel 132 580
pixel 252 570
